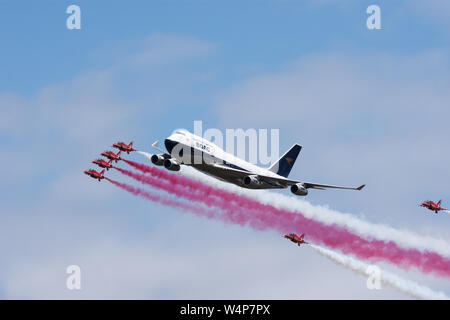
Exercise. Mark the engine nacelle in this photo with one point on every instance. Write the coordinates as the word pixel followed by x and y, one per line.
pixel 251 180
pixel 172 165
pixel 157 159
pixel 299 189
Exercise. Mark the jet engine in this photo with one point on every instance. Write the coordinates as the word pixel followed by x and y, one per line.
pixel 157 159
pixel 172 165
pixel 299 189
pixel 251 180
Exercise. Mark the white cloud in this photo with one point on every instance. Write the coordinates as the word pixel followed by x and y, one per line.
pixel 159 49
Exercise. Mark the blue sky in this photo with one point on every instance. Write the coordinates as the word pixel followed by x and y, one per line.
pixel 264 33
pixel 367 106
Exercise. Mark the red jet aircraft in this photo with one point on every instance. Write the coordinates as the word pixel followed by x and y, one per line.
pixel 295 238
pixel 94 174
pixel 122 146
pixel 103 164
pixel 430 205
pixel 111 155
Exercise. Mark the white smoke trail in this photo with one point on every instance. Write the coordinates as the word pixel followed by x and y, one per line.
pixel 403 238
pixel 408 287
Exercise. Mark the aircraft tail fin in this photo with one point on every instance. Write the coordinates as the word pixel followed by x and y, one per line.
pixel 284 165
pixel 439 202
pixel 131 144
pixel 103 171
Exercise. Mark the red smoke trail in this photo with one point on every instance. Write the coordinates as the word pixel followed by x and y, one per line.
pixel 331 236
pixel 176 189
pixel 191 184
pixel 220 214
pixel 163 200
pixel 227 211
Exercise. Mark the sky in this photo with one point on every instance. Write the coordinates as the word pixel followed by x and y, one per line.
pixel 368 106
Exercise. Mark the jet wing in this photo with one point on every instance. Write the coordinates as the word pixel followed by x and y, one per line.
pixel 326 186
pixel 241 174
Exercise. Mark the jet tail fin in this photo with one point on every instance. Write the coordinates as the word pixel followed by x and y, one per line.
pixel 439 202
pixel 103 171
pixel 284 165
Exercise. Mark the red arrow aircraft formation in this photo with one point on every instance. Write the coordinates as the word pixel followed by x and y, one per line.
pixel 112 157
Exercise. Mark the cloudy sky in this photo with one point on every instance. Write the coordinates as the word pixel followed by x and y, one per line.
pixel 367 106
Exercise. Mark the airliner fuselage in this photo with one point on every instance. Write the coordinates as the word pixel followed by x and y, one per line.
pixel 185 148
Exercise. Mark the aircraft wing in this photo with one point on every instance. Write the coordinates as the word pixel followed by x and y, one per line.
pixel 241 174
pixel 236 173
pixel 326 186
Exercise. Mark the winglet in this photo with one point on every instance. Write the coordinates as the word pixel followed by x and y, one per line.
pixel 156 146
pixel 360 187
